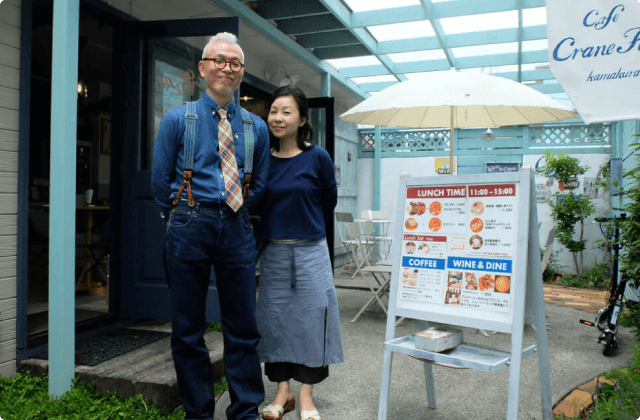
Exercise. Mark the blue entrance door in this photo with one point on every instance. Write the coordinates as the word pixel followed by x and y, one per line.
pixel 161 73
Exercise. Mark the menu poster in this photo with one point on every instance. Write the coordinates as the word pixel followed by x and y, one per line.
pixel 458 245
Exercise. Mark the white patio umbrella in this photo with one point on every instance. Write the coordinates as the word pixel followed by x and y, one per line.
pixel 456 100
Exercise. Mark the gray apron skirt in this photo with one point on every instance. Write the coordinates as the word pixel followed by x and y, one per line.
pixel 297 309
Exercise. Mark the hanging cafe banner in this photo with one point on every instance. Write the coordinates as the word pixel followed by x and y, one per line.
pixel 594 53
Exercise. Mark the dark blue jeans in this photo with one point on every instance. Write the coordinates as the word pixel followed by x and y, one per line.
pixel 197 239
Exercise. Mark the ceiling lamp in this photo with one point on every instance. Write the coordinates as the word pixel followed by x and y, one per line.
pixel 83 89
pixel 289 80
pixel 489 135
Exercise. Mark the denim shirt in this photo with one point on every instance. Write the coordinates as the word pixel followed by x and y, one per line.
pixel 207 185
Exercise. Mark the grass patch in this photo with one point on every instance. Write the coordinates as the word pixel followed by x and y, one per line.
pixel 24 396
pixel 622 401
pixel 213 326
pixel 222 386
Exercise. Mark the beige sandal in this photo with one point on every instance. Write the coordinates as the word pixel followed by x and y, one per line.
pixel 310 415
pixel 276 411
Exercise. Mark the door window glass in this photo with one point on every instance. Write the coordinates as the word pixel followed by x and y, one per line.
pixel 174 80
pixel 318 119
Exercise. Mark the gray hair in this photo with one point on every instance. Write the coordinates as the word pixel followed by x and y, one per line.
pixel 221 36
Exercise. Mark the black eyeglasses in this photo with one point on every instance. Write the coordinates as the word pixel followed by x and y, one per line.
pixel 220 63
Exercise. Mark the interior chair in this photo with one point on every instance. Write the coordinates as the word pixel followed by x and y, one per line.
pixel 349 244
pixel 353 230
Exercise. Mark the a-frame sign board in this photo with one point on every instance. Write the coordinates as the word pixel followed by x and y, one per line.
pixel 466 253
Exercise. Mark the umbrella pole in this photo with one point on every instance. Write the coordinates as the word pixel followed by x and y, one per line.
pixel 451 142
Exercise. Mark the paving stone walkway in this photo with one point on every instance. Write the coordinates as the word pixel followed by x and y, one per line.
pixel 588 300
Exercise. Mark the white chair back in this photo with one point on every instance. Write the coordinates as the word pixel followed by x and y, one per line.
pixel 374 214
pixel 379 214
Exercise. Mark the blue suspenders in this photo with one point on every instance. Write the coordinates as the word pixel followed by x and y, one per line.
pixel 191 116
pixel 247 123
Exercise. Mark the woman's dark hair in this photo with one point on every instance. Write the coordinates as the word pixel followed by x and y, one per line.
pixel 305 133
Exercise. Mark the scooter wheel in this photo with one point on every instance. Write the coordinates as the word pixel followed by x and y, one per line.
pixel 609 345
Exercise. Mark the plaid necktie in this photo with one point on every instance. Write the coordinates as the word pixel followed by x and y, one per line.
pixel 228 162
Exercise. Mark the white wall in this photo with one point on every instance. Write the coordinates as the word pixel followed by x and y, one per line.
pixel 9 106
pixel 601 200
pixel 393 168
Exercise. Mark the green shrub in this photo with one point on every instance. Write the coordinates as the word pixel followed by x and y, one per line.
pixel 598 274
pixel 571 280
pixel 631 319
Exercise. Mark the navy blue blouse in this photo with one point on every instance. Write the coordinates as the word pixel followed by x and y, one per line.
pixel 300 195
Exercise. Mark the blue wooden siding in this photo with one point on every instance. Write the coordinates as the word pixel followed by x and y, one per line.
pixel 346 163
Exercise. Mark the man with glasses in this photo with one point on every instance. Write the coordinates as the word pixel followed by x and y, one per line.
pixel 208 225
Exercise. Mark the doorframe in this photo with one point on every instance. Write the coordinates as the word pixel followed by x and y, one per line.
pixel 114 17
pixel 136 39
pixel 22 228
pixel 328 103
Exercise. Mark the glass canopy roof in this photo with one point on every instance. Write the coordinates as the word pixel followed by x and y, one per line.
pixel 372 45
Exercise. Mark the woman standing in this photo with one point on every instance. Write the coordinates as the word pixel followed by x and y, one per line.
pixel 297 309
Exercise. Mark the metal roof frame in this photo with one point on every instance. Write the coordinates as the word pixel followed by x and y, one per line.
pixel 319 30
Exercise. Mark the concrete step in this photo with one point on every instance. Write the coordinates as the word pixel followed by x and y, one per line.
pixel 147 370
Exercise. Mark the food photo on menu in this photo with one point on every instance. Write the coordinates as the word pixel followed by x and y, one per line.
pixel 435 224
pixel 405 275
pixel 410 276
pixel 452 297
pixel 413 279
pixel 423 248
pixel 470 281
pixel 476 225
pixel 416 208
pixel 477 208
pixel 454 279
pixel 486 283
pixel 410 248
pixel 435 208
pixel 411 224
pixel 475 242
pixel 503 284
